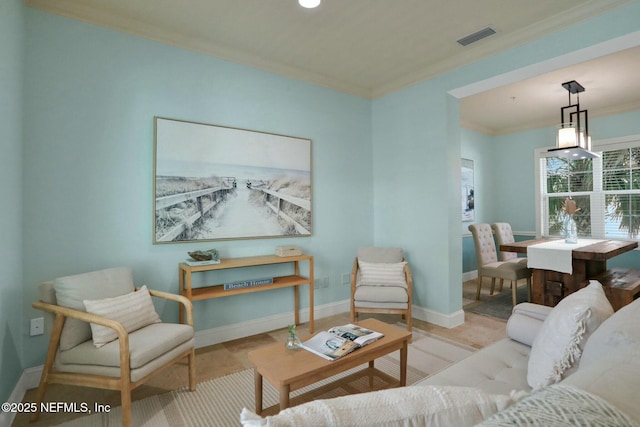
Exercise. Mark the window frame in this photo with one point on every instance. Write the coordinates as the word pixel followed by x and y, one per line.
pixel 597 195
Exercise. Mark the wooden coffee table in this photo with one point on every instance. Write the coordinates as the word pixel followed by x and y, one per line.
pixel 290 370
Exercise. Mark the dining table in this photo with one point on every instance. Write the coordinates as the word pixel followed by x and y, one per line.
pixel 560 268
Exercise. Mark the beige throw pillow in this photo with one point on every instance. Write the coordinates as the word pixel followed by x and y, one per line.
pixel 382 274
pixel 134 311
pixel 557 348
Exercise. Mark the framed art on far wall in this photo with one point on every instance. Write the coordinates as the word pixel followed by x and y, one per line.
pixel 468 196
pixel 221 183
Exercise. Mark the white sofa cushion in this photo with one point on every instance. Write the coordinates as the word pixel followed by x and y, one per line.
pixel 617 340
pixel 557 348
pixel 134 310
pixel 407 406
pixel 71 291
pixel 498 368
pixel 610 362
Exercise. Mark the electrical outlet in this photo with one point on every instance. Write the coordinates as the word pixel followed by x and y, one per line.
pixel 324 283
pixel 316 283
pixel 37 326
pixel 346 278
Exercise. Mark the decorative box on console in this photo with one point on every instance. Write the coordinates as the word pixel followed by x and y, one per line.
pixel 288 250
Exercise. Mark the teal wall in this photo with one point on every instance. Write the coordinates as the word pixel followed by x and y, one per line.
pixel 12 321
pixel 79 171
pixel 90 98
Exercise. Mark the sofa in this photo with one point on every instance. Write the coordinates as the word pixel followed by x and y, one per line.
pixel 575 364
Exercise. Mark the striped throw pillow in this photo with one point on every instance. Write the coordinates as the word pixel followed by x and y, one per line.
pixel 134 311
pixel 382 274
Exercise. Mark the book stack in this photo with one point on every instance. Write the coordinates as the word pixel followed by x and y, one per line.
pixel 247 284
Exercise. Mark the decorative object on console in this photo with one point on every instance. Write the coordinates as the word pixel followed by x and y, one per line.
pixel 289 250
pixel 247 284
pixel 208 255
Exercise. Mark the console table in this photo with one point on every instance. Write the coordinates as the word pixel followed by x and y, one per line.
pixel 218 291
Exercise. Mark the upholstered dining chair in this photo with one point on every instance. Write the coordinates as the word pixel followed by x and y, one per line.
pixel 489 266
pixel 106 334
pixel 381 282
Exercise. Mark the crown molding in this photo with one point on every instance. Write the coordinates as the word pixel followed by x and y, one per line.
pixel 490 47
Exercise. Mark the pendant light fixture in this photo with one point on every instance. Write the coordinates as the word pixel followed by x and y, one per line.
pixel 573 141
pixel 309 4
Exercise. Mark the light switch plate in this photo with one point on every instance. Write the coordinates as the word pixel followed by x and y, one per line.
pixel 37 326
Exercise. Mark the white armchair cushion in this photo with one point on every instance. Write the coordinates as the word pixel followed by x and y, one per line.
pixel 134 310
pixel 434 406
pixel 557 348
pixel 145 345
pixel 381 294
pixel 71 291
pixel 382 274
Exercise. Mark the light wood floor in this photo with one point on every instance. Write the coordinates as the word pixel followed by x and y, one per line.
pixel 229 357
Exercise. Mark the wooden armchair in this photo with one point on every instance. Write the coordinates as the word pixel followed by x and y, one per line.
pixel 381 282
pixel 75 357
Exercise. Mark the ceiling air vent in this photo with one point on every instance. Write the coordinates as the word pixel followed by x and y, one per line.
pixel 478 35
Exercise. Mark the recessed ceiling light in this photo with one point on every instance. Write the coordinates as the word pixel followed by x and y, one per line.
pixel 309 4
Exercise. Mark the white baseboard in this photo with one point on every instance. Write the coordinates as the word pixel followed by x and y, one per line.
pixel 257 326
pixel 445 320
pixel 29 379
pixel 469 275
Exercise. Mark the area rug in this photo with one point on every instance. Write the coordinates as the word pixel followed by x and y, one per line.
pixel 218 402
pixel 497 305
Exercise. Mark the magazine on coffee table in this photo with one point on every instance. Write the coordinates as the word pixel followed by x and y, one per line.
pixel 340 340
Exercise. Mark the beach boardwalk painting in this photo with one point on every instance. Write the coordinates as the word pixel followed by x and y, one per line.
pixel 221 183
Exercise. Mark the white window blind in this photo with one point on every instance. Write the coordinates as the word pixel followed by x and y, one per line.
pixel 606 191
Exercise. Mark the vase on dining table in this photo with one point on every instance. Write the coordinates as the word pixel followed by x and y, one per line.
pixel 570 230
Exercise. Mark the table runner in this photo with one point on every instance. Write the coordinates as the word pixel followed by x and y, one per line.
pixel 555 255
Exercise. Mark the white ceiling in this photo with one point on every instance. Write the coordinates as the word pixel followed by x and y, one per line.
pixel 373 47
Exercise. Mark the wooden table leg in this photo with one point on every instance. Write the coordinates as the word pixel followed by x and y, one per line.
pixel 258 390
pixel 403 363
pixel 284 396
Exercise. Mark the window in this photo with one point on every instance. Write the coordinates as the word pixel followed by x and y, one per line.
pixel 606 191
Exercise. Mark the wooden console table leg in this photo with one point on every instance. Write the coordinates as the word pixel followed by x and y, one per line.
pixel 311 328
pixel 258 390
pixel 296 294
pixel 181 291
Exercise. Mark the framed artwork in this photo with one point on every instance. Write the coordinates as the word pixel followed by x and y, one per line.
pixel 468 196
pixel 221 183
